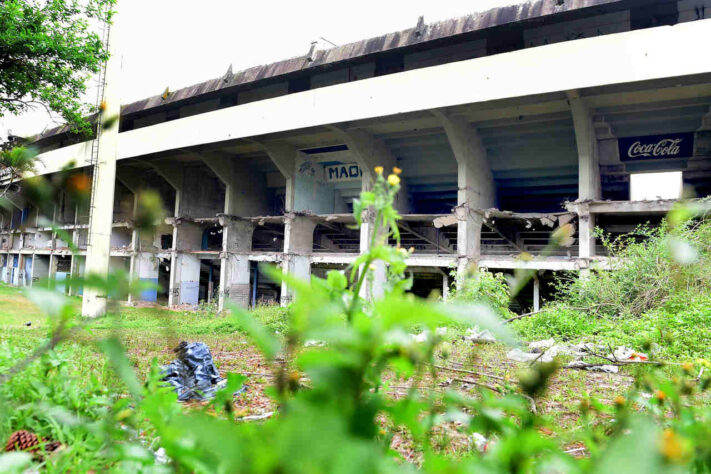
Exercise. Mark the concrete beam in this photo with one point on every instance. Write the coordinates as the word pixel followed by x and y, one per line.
pixel 662 206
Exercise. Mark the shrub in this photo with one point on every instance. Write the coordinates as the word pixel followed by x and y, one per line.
pixel 648 267
pixel 485 287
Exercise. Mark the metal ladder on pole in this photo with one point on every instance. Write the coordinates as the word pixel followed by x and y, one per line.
pixel 94 156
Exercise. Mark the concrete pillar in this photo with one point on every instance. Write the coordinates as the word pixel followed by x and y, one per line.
pixel 374 288
pixel 234 274
pixel 588 171
pixel 245 195
pixel 144 266
pixel 370 151
pixel 445 286
pixel 185 266
pixel 536 293
pixel 476 187
pixel 102 194
pixel 298 246
pixel 132 183
pixel 173 175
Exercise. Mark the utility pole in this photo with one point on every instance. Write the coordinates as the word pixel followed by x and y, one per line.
pixel 104 154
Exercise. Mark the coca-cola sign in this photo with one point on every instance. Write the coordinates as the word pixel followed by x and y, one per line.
pixel 657 147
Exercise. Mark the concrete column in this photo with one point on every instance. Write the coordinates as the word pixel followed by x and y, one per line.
pixel 185 266
pixel 445 286
pixel 588 171
pixel 234 274
pixel 102 194
pixel 131 181
pixel 370 151
pixel 244 196
pixel 144 266
pixel 298 246
pixel 374 288
pixel 536 293
pixel 173 175
pixel 476 187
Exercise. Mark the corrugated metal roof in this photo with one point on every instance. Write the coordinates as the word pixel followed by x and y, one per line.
pixel 391 41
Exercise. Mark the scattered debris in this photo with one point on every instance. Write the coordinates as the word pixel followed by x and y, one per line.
pixel 541 346
pixel 193 373
pixel 546 350
pixel 314 343
pixel 519 356
pixel 160 456
pixel 623 353
pixel 479 336
pixel 261 417
pixel 480 442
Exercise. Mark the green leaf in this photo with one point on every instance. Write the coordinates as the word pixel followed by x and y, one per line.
pixel 117 356
pixel 267 342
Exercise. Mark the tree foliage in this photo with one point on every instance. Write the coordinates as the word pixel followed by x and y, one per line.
pixel 48 50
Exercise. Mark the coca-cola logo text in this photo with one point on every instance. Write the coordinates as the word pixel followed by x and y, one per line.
pixel 665 147
pixel 657 147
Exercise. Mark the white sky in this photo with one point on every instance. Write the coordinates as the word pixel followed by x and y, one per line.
pixel 177 43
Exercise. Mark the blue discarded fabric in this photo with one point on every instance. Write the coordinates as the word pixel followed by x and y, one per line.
pixel 193 374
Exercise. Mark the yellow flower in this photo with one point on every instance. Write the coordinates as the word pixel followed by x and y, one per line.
pixel 394 180
pixel 687 366
pixel 102 106
pixel 379 169
pixel 397 170
pixel 620 401
pixel 671 446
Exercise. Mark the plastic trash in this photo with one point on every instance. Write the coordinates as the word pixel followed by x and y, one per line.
pixel 193 374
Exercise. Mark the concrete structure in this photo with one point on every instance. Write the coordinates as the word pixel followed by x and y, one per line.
pixel 507 124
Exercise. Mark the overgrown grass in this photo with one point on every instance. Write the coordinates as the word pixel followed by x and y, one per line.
pixel 657 298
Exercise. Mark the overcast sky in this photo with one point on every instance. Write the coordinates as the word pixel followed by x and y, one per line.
pixel 177 43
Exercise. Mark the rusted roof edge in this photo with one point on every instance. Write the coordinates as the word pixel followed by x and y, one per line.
pixel 494 17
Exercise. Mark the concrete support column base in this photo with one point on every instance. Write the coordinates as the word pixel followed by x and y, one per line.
pixel 374 286
pixel 235 283
pixel 145 269
pixel 235 268
pixel 469 225
pixel 184 280
pixel 298 246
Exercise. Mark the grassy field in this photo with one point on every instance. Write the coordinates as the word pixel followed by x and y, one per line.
pixel 152 333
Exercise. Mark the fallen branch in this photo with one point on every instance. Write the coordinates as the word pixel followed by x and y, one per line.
pixel 462 371
pixel 479 384
pixel 524 315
